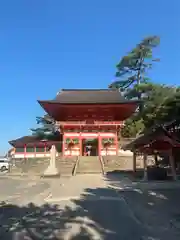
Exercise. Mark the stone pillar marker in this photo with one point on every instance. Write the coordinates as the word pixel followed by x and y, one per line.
pixel 52 170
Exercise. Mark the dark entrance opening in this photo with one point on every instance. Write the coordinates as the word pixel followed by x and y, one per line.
pixel 90 147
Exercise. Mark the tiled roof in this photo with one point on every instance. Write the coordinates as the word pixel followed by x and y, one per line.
pixel 24 140
pixel 30 140
pixel 89 96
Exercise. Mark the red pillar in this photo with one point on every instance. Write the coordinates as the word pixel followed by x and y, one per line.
pixel 63 145
pixel 117 145
pixel 80 145
pixel 99 144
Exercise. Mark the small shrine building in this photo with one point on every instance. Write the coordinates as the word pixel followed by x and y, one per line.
pixel 158 140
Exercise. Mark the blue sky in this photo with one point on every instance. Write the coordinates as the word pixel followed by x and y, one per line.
pixel 46 45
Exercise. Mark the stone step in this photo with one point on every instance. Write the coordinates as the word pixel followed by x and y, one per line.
pixel 64 168
pixel 66 165
pixel 90 167
pixel 80 168
pixel 89 164
pixel 66 172
pixel 95 162
pixel 89 170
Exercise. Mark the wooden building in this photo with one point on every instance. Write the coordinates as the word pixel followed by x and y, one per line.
pixel 33 147
pixel 86 118
pixel 89 118
pixel 159 139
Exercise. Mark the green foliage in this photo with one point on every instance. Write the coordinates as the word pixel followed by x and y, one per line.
pixel 170 108
pixel 132 68
pixel 72 141
pixel 160 104
pixel 47 129
pixel 153 98
pixel 132 128
pixel 133 81
pixel 68 140
pixel 107 141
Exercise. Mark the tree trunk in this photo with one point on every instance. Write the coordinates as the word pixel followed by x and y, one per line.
pixel 134 162
pixel 156 159
pixel 172 164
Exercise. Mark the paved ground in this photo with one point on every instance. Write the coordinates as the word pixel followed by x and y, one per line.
pixel 20 191
pixel 84 207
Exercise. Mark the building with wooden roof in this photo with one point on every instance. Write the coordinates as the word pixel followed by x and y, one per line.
pixel 159 139
pixel 87 117
pixel 33 147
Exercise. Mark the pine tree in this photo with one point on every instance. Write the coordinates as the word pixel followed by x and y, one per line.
pixel 132 68
pixel 132 80
pixel 47 129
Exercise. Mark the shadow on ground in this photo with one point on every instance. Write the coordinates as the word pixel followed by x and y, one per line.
pixel 92 216
pixel 156 205
pixel 98 214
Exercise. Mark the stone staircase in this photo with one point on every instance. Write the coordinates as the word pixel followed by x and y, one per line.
pixel 66 165
pixel 89 164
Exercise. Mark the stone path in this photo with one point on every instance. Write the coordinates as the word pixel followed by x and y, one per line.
pixel 20 191
pixel 74 187
pixel 81 207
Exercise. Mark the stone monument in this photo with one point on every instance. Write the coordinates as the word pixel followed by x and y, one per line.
pixel 52 170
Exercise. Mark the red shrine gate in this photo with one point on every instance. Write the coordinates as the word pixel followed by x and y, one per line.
pixel 102 136
pixel 89 117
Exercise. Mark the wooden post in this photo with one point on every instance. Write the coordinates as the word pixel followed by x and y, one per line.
pixel 145 166
pixel 134 161
pixel 117 144
pixel 99 144
pixel 172 164
pixel 156 158
pixel 118 134
pixel 80 145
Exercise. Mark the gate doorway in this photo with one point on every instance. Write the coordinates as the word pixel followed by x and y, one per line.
pixel 90 147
